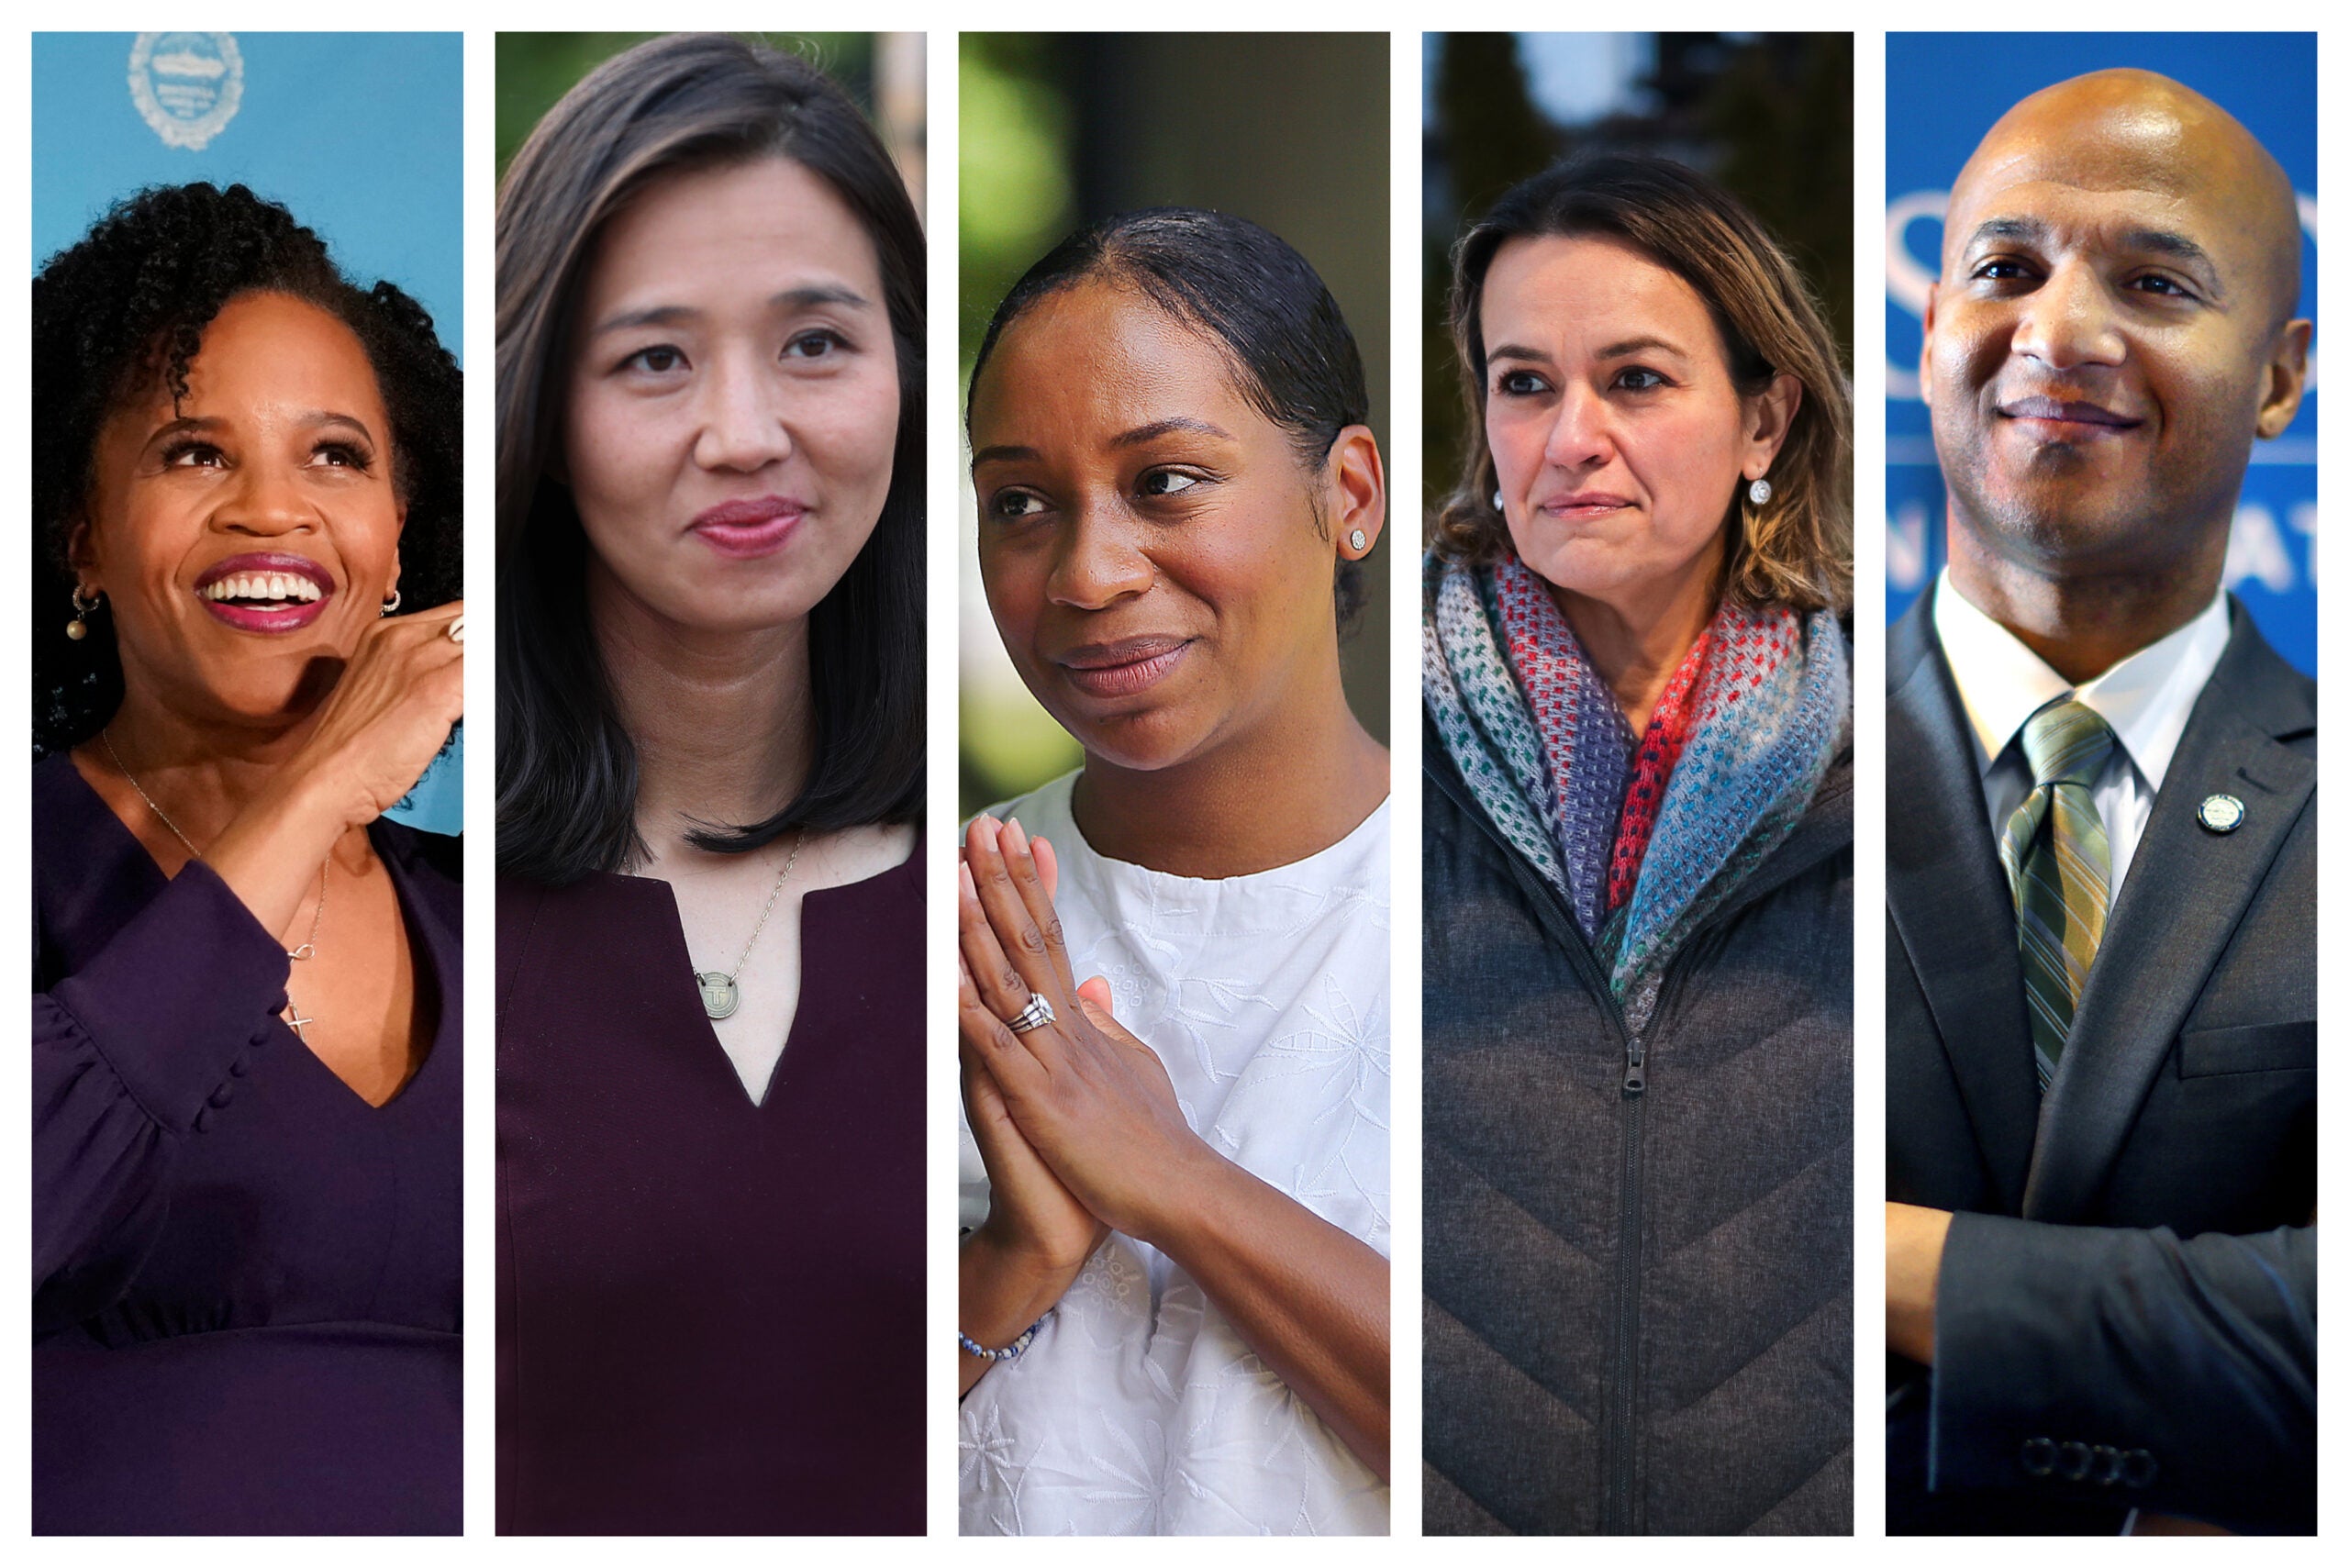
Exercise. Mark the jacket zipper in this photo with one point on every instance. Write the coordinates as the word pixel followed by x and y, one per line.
pixel 1623 1515
pixel 1619 1514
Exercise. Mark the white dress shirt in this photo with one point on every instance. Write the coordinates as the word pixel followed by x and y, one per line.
pixel 2145 698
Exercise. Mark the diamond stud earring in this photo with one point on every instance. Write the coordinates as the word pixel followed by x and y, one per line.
pixel 1358 539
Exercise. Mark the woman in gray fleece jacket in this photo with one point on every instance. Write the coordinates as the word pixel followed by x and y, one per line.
pixel 1638 879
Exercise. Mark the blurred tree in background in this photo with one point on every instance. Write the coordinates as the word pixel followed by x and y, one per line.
pixel 1017 197
pixel 1768 114
pixel 1492 134
pixel 1018 194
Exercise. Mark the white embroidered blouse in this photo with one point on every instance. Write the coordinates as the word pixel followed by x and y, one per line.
pixel 1137 1410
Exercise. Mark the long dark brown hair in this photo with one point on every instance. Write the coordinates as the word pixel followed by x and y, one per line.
pixel 566 768
pixel 1797 550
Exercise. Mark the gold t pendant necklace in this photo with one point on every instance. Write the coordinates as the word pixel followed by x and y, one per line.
pixel 293 1015
pixel 720 994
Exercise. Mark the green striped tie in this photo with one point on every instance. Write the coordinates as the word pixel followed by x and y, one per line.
pixel 2060 868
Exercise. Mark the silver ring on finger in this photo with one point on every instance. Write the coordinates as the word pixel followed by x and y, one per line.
pixel 1034 1016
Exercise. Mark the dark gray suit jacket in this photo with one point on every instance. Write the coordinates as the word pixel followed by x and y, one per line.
pixel 2127 1310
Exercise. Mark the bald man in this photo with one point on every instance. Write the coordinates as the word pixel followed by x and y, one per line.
pixel 2100 999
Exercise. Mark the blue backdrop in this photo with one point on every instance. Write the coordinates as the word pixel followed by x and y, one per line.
pixel 362 135
pixel 1942 92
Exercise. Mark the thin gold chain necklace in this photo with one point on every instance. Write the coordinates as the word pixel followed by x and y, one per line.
pixel 309 948
pixel 720 994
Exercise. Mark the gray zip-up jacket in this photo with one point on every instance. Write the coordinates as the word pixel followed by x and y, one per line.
pixel 1638 1255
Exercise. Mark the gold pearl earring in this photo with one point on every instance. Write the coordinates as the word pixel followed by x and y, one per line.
pixel 78 627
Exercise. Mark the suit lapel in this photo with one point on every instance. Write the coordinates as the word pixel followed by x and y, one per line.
pixel 2187 889
pixel 1951 904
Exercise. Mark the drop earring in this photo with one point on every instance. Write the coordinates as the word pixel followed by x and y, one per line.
pixel 391 605
pixel 78 627
pixel 1496 502
pixel 1758 491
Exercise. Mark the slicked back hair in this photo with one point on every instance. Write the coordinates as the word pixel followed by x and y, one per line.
pixel 1292 355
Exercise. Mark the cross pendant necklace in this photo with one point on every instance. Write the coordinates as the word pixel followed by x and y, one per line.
pixel 297 1023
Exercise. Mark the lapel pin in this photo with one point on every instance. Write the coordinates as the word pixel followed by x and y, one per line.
pixel 2220 813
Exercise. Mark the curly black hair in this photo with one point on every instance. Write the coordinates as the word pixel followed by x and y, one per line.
pixel 131 300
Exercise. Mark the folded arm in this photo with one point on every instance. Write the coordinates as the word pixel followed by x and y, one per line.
pixel 1309 1299
pixel 2118 1366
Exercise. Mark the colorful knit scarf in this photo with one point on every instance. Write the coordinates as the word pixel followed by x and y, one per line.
pixel 1588 747
pixel 1642 838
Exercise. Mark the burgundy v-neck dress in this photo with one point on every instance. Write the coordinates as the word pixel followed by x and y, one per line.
pixel 246 1280
pixel 710 1312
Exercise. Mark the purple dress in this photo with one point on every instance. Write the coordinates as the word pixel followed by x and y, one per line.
pixel 710 1313
pixel 246 1280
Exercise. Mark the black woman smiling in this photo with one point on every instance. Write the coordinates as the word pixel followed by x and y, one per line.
pixel 1174 1292
pixel 247 1008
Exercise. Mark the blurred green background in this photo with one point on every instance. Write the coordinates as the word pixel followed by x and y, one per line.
pixel 1288 130
pixel 883 71
pixel 1768 114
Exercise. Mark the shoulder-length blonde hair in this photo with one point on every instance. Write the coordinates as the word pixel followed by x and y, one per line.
pixel 1797 551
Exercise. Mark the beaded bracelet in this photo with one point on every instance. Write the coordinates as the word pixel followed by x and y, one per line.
pixel 1008 1353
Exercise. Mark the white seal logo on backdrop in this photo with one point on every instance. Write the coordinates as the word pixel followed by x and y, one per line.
pixel 186 86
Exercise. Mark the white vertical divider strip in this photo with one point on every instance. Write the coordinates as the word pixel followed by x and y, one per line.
pixel 480 940
pixel 945 448
pixel 1400 552
pixel 1868 804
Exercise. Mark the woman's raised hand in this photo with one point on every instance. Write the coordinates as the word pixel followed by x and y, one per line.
pixel 1097 1105
pixel 387 718
pixel 389 714
pixel 1033 1219
pixel 1087 1095
pixel 1036 1237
